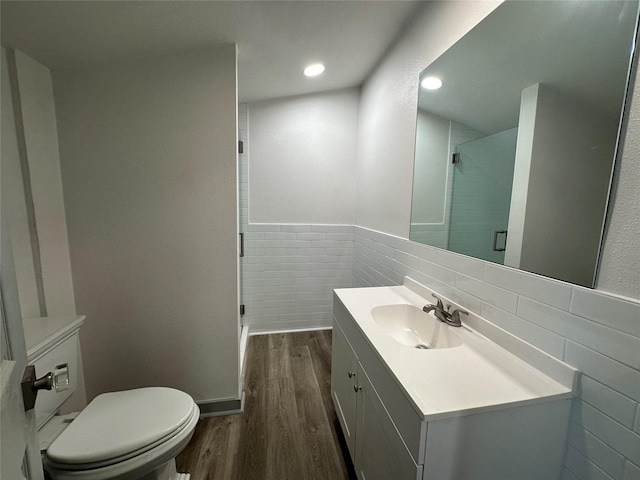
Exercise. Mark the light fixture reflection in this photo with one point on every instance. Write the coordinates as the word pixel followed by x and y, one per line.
pixel 313 70
pixel 431 83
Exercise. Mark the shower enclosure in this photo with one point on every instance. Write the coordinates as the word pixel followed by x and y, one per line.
pixel 481 196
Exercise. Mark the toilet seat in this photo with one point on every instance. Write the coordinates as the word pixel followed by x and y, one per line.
pixel 123 434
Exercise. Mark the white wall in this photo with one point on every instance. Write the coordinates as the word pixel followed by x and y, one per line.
pixel 567 180
pixel 148 154
pixel 619 270
pixel 303 154
pixel 430 172
pixel 388 106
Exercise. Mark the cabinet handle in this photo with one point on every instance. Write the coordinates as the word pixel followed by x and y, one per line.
pixel 357 388
pixel 351 374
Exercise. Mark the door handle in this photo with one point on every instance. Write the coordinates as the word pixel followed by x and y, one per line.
pixel 495 240
pixel 58 379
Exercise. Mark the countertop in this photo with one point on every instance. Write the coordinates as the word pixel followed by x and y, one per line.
pixel 479 375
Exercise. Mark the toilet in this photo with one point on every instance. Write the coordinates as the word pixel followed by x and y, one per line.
pixel 133 434
pixel 127 435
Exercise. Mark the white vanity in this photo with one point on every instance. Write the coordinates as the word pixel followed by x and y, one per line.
pixel 418 399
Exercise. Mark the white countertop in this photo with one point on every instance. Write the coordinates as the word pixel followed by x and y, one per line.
pixel 479 375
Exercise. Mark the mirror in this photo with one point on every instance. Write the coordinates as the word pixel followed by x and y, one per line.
pixel 515 150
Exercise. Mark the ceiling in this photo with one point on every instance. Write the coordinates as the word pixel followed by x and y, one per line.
pixel 275 39
pixel 581 49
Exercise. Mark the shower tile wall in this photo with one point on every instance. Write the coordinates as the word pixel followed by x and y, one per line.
pixel 597 333
pixel 289 273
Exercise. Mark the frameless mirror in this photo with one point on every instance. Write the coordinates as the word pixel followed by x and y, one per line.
pixel 517 131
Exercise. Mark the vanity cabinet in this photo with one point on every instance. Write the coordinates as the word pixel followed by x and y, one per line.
pixel 375 445
pixel 344 382
pixel 389 434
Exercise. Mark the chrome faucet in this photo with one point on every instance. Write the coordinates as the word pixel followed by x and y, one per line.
pixel 445 315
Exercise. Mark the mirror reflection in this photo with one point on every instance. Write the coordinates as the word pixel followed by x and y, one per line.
pixel 517 129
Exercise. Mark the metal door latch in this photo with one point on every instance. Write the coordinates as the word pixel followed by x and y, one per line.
pixel 58 380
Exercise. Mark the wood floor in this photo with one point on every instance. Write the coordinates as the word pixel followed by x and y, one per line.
pixel 289 428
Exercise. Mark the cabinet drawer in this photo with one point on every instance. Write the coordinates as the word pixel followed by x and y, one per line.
pixel 406 420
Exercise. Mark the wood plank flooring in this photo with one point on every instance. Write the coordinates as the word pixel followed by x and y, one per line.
pixel 289 428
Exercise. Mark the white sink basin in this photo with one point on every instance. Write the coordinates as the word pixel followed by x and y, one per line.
pixel 410 326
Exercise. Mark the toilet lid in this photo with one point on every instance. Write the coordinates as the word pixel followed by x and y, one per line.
pixel 116 424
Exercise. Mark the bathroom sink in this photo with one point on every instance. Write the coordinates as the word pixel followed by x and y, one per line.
pixel 410 326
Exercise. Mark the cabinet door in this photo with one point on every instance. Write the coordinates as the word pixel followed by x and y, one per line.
pixel 344 367
pixel 380 451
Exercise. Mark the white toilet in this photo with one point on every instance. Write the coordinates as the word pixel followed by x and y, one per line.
pixel 133 434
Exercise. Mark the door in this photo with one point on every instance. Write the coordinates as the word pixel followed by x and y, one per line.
pixel 381 454
pixel 481 198
pixel 19 452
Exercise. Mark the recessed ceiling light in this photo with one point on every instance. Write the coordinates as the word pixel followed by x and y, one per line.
pixel 431 83
pixel 313 70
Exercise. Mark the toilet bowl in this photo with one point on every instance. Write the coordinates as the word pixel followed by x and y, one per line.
pixel 134 435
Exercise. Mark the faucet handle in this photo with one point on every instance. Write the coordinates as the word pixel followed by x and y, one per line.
pixel 455 315
pixel 439 304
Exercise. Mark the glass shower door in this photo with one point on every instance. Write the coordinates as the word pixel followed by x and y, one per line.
pixel 481 196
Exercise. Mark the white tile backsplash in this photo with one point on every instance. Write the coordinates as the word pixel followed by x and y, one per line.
pixel 582 467
pixel 607 459
pixel 615 375
pixel 621 314
pixel 612 343
pixel 615 435
pixel 619 407
pixel 631 471
pixel 551 292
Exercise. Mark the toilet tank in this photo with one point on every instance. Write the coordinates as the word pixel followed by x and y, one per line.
pixel 51 343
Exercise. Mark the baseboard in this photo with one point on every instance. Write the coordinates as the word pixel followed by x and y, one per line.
pixel 288 330
pixel 214 408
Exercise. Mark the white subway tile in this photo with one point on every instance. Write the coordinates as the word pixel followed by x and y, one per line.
pixel 537 336
pixel 614 344
pixel 582 467
pixel 631 471
pixel 339 236
pixel 619 407
pixel 257 227
pixel 551 292
pixel 603 456
pixel 608 310
pixel 461 263
pixel 615 375
pixel 488 293
pixel 279 236
pixel 618 437
pixel 312 236
pixel 438 272
pixel 295 228
pixel 568 475
pixel 424 252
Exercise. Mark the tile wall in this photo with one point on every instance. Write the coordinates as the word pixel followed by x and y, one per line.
pixel 597 333
pixel 289 273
